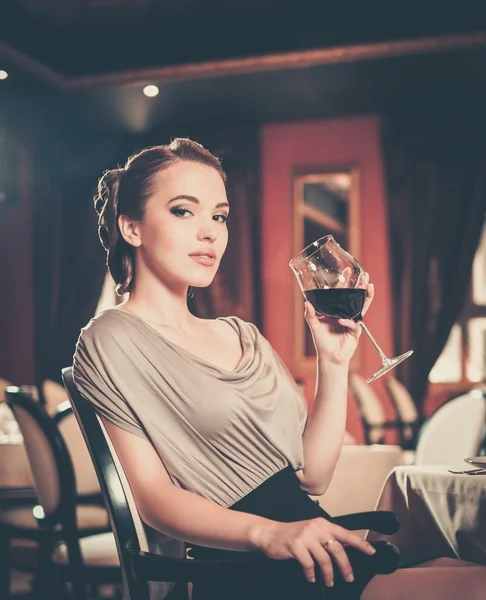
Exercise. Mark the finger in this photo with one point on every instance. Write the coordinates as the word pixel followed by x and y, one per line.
pixel 370 294
pixel 363 280
pixel 305 559
pixel 349 324
pixel 313 317
pixel 347 537
pixel 323 559
pixel 309 311
pixel 336 550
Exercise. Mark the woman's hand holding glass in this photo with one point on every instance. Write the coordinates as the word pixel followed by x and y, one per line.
pixel 314 542
pixel 335 284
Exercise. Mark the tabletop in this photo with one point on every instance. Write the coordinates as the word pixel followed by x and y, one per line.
pixel 441 513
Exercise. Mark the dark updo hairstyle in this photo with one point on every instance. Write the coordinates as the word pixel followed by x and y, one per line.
pixel 126 191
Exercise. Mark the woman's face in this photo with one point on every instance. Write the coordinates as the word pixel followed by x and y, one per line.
pixel 183 234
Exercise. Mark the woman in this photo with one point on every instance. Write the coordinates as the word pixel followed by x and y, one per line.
pixel 209 425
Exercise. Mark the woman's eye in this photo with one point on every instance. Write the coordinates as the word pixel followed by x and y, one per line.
pixel 220 218
pixel 180 212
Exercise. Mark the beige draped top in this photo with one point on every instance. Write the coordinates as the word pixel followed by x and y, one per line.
pixel 219 433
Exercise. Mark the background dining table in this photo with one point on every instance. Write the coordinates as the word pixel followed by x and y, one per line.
pixel 441 513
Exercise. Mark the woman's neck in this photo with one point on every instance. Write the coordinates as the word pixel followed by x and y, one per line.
pixel 160 305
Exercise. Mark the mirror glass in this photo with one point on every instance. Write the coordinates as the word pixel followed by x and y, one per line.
pixel 324 203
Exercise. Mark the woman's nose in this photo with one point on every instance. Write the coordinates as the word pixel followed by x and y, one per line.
pixel 207 232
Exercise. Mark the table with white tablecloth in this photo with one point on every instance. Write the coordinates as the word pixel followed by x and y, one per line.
pixel 441 514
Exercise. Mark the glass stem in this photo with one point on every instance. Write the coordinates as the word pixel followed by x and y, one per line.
pixel 383 356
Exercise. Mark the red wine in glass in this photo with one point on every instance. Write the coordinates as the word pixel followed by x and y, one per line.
pixel 332 281
pixel 338 303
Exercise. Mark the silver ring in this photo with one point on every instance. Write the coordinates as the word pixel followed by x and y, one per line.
pixel 329 541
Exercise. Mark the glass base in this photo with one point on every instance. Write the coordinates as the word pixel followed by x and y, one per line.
pixel 388 365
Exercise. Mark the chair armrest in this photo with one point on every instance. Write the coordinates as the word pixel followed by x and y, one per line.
pixel 381 521
pixel 62 411
pixel 154 567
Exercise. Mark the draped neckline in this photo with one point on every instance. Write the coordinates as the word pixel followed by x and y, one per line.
pixel 244 364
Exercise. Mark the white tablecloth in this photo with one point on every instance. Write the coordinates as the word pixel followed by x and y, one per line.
pixel 441 514
pixel 358 478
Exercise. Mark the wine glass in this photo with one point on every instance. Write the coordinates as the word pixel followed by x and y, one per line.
pixel 333 282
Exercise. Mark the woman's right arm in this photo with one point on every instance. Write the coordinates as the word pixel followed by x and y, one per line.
pixel 174 511
pixel 191 518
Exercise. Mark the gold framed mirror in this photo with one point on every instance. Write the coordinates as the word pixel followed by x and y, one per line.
pixel 323 202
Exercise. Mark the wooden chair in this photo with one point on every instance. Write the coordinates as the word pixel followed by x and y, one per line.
pixel 408 416
pixel 140 566
pixel 72 531
pixel 455 431
pixel 371 411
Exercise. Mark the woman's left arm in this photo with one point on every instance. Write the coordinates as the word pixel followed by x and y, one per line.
pixel 335 342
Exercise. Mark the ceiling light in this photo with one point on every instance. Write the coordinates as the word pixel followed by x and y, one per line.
pixel 151 91
pixel 3 74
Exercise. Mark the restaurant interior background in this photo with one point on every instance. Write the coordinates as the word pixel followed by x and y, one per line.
pixel 278 89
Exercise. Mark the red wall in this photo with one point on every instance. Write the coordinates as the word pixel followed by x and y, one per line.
pixel 16 281
pixel 286 147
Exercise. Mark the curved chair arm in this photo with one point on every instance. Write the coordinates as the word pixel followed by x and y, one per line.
pixel 63 410
pixel 381 521
pixel 154 567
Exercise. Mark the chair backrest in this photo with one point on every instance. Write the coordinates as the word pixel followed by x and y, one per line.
pixel 125 520
pixel 402 400
pixel 52 469
pixel 370 408
pixel 54 394
pixel 454 432
pixel 407 413
pixel 86 479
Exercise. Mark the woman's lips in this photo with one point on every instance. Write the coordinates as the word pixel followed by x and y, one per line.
pixel 203 259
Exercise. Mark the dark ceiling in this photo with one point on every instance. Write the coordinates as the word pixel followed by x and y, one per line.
pixel 90 37
pixel 79 65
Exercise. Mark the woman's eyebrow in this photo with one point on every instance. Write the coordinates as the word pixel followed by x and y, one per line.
pixel 195 200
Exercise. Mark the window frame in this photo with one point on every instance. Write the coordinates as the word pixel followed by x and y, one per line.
pixel 470 311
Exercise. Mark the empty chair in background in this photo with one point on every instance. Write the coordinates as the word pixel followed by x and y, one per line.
pixel 91 508
pixel 74 540
pixel 54 394
pixel 407 413
pixel 454 432
pixel 371 410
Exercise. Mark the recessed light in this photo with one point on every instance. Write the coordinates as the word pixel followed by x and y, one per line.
pixel 3 74
pixel 151 91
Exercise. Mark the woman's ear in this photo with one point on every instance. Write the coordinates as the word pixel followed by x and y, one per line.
pixel 130 230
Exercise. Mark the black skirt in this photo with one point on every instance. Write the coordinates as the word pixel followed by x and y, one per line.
pixel 279 498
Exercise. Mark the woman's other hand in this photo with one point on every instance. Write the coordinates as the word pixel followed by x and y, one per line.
pixel 313 542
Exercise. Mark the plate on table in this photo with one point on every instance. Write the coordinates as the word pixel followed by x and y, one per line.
pixel 477 461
